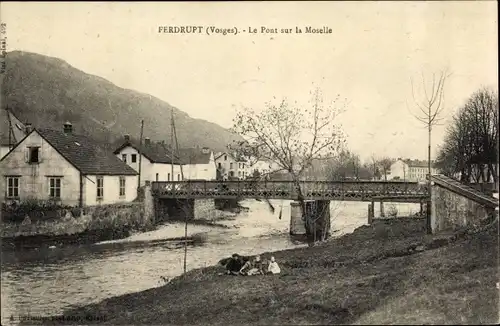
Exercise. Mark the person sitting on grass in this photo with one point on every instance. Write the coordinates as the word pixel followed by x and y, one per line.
pixel 273 267
pixel 258 266
pixel 256 269
pixel 234 264
pixel 246 268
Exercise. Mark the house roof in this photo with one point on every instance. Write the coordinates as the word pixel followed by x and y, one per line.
pixel 235 157
pixel 85 154
pixel 155 152
pixel 417 163
pixel 194 156
pixel 18 128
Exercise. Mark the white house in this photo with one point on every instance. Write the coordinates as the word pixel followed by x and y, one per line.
pixel 230 166
pixel 198 164
pixel 264 167
pixel 67 168
pixel 411 170
pixel 11 131
pixel 156 160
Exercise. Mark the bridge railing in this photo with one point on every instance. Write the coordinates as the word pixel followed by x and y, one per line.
pixel 366 187
pixel 285 189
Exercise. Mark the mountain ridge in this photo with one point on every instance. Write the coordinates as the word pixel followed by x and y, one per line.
pixel 48 91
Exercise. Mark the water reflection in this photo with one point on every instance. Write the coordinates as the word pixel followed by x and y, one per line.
pixel 47 281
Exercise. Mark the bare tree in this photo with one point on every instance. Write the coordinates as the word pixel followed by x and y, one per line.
pixel 347 165
pixel 384 165
pixel 471 141
pixel 291 136
pixel 429 112
pixel 375 168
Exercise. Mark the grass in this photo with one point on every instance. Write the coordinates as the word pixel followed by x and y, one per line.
pixel 379 274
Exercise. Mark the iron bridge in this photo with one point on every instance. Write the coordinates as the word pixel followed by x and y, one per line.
pixel 402 191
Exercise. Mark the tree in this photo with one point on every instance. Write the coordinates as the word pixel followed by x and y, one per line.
pixel 429 109
pixel 471 140
pixel 381 166
pixel 346 165
pixel 290 136
pixel 365 172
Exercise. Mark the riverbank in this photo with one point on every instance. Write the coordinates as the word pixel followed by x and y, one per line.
pixel 389 272
pixel 83 235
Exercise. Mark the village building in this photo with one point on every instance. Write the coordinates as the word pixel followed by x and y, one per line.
pixel 411 170
pixel 230 166
pixel 156 160
pixel 69 169
pixel 198 163
pixel 263 167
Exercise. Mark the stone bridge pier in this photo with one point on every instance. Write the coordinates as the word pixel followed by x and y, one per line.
pixel 169 209
pixel 310 224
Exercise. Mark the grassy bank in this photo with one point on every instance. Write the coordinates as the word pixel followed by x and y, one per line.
pixel 387 273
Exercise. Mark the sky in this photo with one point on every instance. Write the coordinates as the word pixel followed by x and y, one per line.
pixel 374 51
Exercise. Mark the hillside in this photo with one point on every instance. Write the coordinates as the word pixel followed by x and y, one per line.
pixel 48 91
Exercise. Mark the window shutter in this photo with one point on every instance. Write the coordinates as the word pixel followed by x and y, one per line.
pixel 40 156
pixel 27 155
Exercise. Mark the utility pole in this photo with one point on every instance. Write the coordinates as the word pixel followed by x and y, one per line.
pixel 429 181
pixel 188 202
pixel 172 144
pixel 12 139
pixel 177 147
pixel 140 156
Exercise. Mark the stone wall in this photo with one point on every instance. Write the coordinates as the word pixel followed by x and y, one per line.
pixel 451 211
pixel 204 209
pixel 90 218
pixel 134 215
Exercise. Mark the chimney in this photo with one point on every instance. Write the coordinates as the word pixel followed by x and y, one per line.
pixel 205 150
pixel 126 137
pixel 68 128
pixel 28 127
pixel 147 141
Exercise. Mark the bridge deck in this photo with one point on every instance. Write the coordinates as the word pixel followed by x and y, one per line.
pixel 465 190
pixel 316 190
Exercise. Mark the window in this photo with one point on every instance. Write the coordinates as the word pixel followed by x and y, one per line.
pixel 168 177
pixel 33 155
pixel 231 166
pixel 178 177
pixel 157 176
pixel 12 187
pixel 220 165
pixel 124 158
pixel 55 187
pixel 225 157
pixel 239 173
pixel 133 158
pixel 122 186
pixel 100 187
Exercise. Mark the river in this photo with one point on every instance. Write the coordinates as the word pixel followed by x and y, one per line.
pixel 47 281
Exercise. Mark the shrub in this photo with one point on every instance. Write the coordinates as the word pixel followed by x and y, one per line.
pixel 392 211
pixel 38 210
